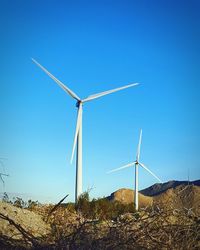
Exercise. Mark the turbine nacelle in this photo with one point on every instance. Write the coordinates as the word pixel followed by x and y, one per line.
pixel 78 103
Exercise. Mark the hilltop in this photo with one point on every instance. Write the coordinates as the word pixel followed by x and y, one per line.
pixel 126 196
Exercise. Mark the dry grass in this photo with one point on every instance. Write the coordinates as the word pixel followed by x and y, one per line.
pixel 151 228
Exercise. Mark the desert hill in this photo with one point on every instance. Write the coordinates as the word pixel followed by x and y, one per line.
pixel 182 196
pixel 126 196
pixel 159 188
pixel 175 197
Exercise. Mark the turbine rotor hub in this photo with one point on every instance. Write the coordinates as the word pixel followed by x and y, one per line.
pixel 78 103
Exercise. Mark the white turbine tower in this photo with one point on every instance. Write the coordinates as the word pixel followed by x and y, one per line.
pixel 136 163
pixel 78 132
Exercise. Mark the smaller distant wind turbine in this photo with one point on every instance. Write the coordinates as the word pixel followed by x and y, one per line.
pixel 2 174
pixel 137 163
pixel 1 177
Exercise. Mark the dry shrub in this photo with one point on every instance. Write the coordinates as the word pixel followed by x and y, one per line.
pixel 100 224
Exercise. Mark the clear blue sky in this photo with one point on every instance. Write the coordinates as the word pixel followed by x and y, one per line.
pixel 93 46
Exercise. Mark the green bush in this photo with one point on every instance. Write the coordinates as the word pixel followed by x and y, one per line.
pixel 101 208
pixel 18 202
pixel 83 204
pixel 6 198
pixel 32 204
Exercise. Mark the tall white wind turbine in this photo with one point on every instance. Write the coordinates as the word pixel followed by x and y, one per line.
pixel 137 163
pixel 78 131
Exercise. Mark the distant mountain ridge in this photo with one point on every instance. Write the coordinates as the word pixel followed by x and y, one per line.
pixel 160 188
pixel 167 196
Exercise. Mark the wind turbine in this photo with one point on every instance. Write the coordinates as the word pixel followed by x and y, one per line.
pixel 1 177
pixel 136 163
pixel 2 174
pixel 78 131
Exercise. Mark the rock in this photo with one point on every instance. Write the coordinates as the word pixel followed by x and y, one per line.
pixel 30 221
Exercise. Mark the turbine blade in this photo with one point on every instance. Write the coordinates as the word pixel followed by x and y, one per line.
pixel 142 165
pixel 77 130
pixel 125 166
pixel 64 87
pixel 92 97
pixel 139 145
pixel 4 174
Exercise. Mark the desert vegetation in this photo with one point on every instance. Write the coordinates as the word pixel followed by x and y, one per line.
pixel 99 224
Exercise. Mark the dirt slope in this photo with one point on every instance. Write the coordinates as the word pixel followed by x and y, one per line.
pixel 126 196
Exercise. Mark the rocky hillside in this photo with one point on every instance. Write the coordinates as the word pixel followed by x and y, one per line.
pixel 182 196
pixel 159 188
pixel 31 222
